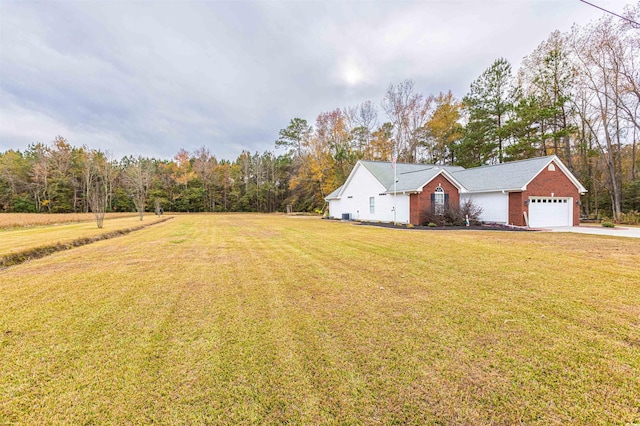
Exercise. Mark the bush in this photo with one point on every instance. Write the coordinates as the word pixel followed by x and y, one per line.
pixel 432 225
pixel 631 218
pixel 454 216
pixel 608 224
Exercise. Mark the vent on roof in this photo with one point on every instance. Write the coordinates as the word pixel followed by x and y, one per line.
pixel 552 167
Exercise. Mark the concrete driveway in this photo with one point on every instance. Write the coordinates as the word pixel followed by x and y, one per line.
pixel 618 231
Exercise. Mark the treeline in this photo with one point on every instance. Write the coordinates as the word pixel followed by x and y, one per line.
pixel 60 178
pixel 577 96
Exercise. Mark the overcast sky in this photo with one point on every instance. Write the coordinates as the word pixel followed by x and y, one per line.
pixel 148 78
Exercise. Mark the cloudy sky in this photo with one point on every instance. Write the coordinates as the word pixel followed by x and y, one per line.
pixel 149 78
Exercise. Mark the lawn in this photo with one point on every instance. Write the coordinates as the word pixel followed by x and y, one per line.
pixel 264 319
pixel 20 220
pixel 18 239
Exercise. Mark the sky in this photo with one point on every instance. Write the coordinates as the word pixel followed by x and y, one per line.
pixel 152 77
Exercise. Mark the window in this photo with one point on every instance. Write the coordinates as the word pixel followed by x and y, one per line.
pixel 372 205
pixel 438 201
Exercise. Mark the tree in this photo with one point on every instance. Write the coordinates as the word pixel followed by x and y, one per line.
pixel 381 146
pixel 488 105
pixel 547 80
pixel 443 129
pixel 407 111
pixel 14 183
pixel 38 157
pixel 294 136
pixel 363 121
pixel 137 176
pixel 97 174
pixel 599 53
pixel 204 165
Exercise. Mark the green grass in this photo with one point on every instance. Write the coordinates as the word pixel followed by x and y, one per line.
pixel 254 319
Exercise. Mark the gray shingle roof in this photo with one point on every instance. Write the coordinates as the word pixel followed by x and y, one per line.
pixel 511 176
pixel 505 176
pixel 334 194
pixel 411 177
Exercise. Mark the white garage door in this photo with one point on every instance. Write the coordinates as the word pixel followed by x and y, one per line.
pixel 550 211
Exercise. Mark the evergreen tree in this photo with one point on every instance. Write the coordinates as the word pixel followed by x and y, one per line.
pixel 488 105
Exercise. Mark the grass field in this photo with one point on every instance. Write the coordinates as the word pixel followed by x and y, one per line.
pixel 20 220
pixel 263 319
pixel 17 239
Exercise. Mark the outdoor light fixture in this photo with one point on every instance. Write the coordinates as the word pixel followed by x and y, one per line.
pixel 526 202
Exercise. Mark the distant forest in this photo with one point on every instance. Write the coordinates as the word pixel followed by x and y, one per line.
pixel 577 95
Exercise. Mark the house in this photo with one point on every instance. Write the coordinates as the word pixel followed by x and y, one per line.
pixel 538 192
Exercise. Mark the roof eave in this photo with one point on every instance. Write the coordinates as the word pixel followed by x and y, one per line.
pixel 402 192
pixel 483 191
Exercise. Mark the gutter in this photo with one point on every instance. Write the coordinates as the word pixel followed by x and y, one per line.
pixel 494 190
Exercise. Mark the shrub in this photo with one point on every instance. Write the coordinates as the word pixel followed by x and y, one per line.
pixel 454 216
pixel 432 225
pixel 409 225
pixel 608 224
pixel 631 218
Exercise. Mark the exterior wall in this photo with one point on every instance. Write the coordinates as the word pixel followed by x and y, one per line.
pixel 516 209
pixel 545 184
pixel 355 200
pixel 422 201
pixel 495 206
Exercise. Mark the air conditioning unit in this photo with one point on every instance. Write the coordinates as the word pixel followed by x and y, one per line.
pixel 346 216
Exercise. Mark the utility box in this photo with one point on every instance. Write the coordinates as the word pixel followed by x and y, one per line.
pixel 346 216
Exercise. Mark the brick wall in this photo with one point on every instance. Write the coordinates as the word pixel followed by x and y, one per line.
pixel 546 183
pixel 516 209
pixel 422 201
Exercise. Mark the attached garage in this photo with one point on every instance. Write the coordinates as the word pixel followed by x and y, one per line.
pixel 550 211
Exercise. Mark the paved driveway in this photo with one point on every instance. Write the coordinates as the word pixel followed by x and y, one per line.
pixel 618 231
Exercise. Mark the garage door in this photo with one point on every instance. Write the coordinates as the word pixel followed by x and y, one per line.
pixel 550 211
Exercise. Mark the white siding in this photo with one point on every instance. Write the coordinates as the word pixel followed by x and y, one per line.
pixel 495 205
pixel 355 200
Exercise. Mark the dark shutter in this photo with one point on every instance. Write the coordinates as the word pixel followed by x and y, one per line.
pixel 433 202
pixel 446 201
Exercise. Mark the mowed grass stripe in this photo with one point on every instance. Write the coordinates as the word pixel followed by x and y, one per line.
pixel 16 240
pixel 262 319
pixel 20 220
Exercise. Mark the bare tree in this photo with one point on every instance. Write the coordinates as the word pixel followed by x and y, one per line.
pixel 98 175
pixel 605 63
pixel 362 121
pixel 408 112
pixel 137 177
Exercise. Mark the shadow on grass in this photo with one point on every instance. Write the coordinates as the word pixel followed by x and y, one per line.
pixel 40 252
